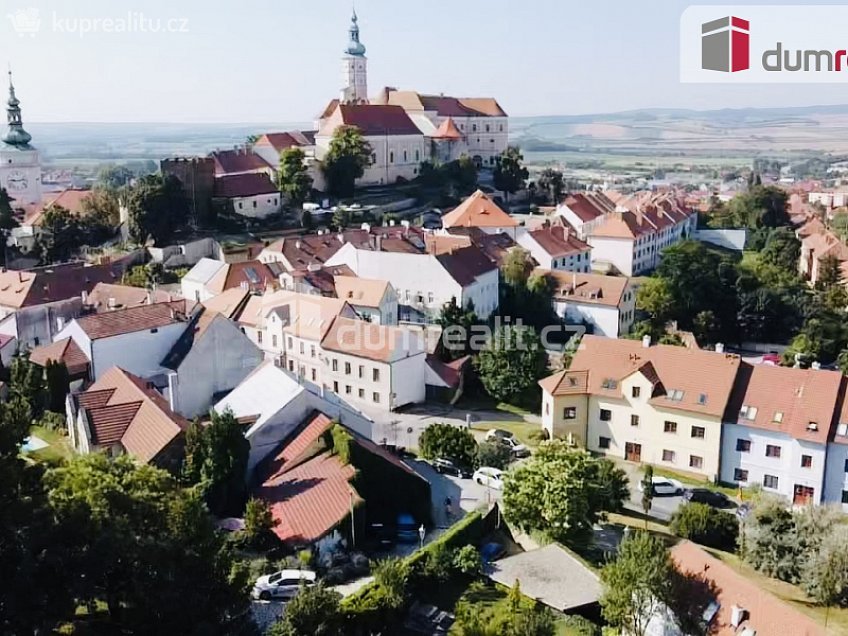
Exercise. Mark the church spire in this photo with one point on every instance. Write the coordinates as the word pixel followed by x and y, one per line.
pixel 15 135
pixel 354 46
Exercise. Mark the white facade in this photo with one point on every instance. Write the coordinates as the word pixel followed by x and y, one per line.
pixel 750 453
pixel 619 252
pixel 392 157
pixel 354 78
pixel 20 173
pixel 836 474
pixel 577 261
pixel 607 320
pixel 193 285
pixel 486 137
pixel 258 206
pixel 420 280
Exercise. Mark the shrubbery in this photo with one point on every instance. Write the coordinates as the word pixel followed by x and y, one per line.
pixel 706 525
pixel 449 442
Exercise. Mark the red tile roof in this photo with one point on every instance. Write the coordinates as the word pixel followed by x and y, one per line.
pixel 376 120
pixel 766 615
pixel 19 288
pixel 281 140
pixel 558 241
pixel 449 372
pixel 303 440
pixel 478 210
pixel 235 161
pixel 64 350
pixel 122 321
pixel 250 184
pixel 110 422
pixel 588 206
pixel 466 264
pixel 447 130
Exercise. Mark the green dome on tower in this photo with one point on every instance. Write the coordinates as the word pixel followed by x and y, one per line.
pixel 355 47
pixel 15 135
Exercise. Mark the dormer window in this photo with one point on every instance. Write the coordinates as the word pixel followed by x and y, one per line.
pixel 702 399
pixel 842 429
pixel 778 417
pixel 676 395
pixel 609 383
pixel 812 426
pixel 748 412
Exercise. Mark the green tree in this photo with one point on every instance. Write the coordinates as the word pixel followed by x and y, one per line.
pixel 706 525
pixel 293 177
pixel 457 324
pixel 551 182
pixel 510 175
pixel 824 574
pixel 449 442
pixel 493 454
pixel 782 249
pixel 27 384
pixel 654 296
pixel 462 173
pixel 346 160
pixel 314 611
pixel 636 582
pixel 341 219
pixel 7 215
pixel 517 266
pixel 58 385
pixel 61 235
pixel 512 363
pixel 772 544
pixel 647 491
pixel 392 578
pixel 467 561
pixel 103 207
pixel 563 492
pixel 158 207
pixel 829 274
pixel 113 177
pixel 258 522
pixel 216 459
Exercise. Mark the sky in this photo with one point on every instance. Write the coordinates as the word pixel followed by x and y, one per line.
pixel 280 60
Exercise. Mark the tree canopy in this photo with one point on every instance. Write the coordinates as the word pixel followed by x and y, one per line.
pixel 510 175
pixel 158 207
pixel 449 442
pixel 512 363
pixel 293 177
pixel 345 162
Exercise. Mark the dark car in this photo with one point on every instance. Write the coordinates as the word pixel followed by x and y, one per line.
pixel 449 467
pixel 708 497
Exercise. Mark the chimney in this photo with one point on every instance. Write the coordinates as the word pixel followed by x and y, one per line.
pixel 646 341
pixel 60 323
pixel 297 244
pixel 366 227
pixel 737 615
pixel 816 366
pixel 111 304
pixel 379 242
pixel 573 280
pixel 84 297
pixel 391 222
pixel 173 390
pixel 149 298
pixel 719 347
pixel 340 236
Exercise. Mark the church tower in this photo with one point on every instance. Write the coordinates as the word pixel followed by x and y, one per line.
pixel 20 166
pixel 354 68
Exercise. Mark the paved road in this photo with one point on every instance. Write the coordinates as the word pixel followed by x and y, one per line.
pixel 662 506
pixel 464 493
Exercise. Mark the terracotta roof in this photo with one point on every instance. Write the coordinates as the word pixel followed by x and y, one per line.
pixel 71 199
pixel 366 292
pixel 121 321
pixel 229 302
pixel 495 246
pixel 372 120
pixel 694 380
pixel 624 225
pixel 805 401
pixel 297 447
pixel 311 499
pixel 566 383
pixel 466 264
pixel 445 106
pixel 369 340
pixel 595 289
pixel 588 206
pixel 42 285
pixel 253 275
pixel 449 372
pixel 107 297
pixel 125 409
pixel 64 350
pixel 307 315
pixel 282 140
pixel 235 161
pixel 558 241
pixel 329 109
pixel 250 184
pixel 447 130
pixel 766 615
pixel 478 210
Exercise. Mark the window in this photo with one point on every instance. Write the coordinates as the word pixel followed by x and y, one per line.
pixel 258 337
pixel 846 465
pixel 302 349
pixel 361 394
pixel 606 415
pixel 696 462
pixel 392 156
pixel 361 371
pixel 348 389
pixel 291 366
pixel 698 432
pixel 291 343
pixel 375 375
pixel 335 365
pixel 569 412
pixel 702 399
pixel 609 383
pixel 772 451
pixel 314 375
pixel 806 461
pixel 373 158
pixel 474 127
pixel 375 397
pixel 634 420
pixel 778 417
pixel 347 368
pixel 740 474
pixel 312 351
pixel 670 427
pixel 668 456
pixel 487 127
pixel 603 442
pixel 636 391
pixel 335 387
pixel 404 156
pixel 254 203
pixel 676 395
pixel 274 341
pixel 748 412
pixel 417 155
pixel 743 445
pixel 770 481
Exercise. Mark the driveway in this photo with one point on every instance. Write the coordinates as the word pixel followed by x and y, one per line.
pixel 465 494
pixel 662 506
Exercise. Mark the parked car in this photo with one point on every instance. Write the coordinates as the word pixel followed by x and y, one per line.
pixel 506 438
pixel 407 528
pixel 282 584
pixel 664 486
pixel 488 476
pixel 449 467
pixel 707 496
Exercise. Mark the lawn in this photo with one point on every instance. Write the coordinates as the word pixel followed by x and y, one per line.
pixel 59 448
pixel 693 480
pixel 520 429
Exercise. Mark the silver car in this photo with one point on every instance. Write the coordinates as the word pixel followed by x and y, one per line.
pixel 282 584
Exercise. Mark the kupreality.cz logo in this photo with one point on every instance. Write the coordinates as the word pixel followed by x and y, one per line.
pixel 780 44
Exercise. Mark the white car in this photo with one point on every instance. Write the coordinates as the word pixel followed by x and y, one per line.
pixel 487 476
pixel 282 584
pixel 509 440
pixel 664 486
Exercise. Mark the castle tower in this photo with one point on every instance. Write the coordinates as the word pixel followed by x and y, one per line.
pixel 354 68
pixel 20 165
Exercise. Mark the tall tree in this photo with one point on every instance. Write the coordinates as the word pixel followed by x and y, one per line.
pixel 61 235
pixel 314 611
pixel 647 491
pixel 563 492
pixel 114 177
pixel 293 177
pixel 510 175
pixel 512 363
pixel 7 215
pixel 457 324
pixel 449 442
pixel 27 384
pixel 58 385
pixel 158 207
pixel 517 266
pixel 346 160
pixel 551 182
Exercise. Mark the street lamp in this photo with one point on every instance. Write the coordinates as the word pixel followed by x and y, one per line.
pixel 421 533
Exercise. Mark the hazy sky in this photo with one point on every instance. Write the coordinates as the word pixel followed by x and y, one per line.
pixel 279 60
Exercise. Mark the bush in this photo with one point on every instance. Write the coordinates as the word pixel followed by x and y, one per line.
pixel 450 442
pixel 538 435
pixel 579 626
pixel 466 560
pixel 258 522
pixel 313 610
pixel 53 421
pixel 706 525
pixel 493 454
pixel 438 564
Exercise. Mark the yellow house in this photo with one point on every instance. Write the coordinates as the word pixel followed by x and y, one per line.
pixel 658 404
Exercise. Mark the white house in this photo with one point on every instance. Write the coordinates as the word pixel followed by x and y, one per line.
pixel 426 282
pixel 606 303
pixel 373 300
pixel 836 467
pixel 557 247
pixel 776 430
pixel 137 339
pixel 195 284
pixel 584 210
pixel 252 195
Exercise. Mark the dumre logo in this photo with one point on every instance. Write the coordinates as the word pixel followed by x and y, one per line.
pixel 725 45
